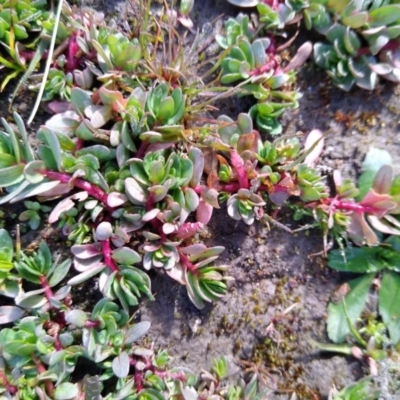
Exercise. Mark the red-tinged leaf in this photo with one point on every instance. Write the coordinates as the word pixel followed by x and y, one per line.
pixel 383 180
pixel 302 55
pixel 247 142
pixel 382 226
pixel 204 212
pixel 85 251
pixel 115 199
pixel 381 203
pixel 360 232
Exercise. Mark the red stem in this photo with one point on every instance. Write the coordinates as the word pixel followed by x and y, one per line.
pixel 92 324
pixel 142 149
pixel 188 264
pixel 41 369
pixel 92 189
pixel 351 206
pixel 106 248
pixel 10 388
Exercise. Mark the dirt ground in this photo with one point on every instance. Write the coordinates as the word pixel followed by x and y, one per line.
pixel 273 269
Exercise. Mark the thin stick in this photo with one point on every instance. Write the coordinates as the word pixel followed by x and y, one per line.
pixel 48 62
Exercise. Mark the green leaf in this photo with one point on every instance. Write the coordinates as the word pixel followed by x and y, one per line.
pixel 32 171
pixel 125 255
pixel 11 175
pixel 352 304
pixel 54 144
pixel 389 300
pixel 385 15
pixel 59 273
pixel 357 259
pixel 29 156
pixel 65 391
pixel 136 331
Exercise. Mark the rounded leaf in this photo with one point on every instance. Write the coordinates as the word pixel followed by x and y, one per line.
pixel 121 364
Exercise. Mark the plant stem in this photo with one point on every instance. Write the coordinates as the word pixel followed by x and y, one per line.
pixel 92 324
pixel 188 264
pixel 7 385
pixel 106 248
pixel 42 369
pixel 351 206
pixel 47 289
pixel 92 189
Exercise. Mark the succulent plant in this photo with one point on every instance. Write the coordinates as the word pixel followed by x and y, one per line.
pixel 361 36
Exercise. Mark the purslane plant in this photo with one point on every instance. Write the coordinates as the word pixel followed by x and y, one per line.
pixel 132 162
pixel 362 36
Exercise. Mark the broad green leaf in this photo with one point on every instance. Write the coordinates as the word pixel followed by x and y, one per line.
pixel 357 259
pixel 384 15
pixel 389 301
pixel 352 304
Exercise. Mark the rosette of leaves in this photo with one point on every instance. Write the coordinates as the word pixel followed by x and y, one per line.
pixel 158 253
pixel 356 31
pixel 204 282
pixel 233 28
pixel 266 116
pixel 165 110
pixel 248 60
pixel 342 60
pixel 119 277
pixel 41 270
pixel 245 205
pixel 116 52
pixel 311 183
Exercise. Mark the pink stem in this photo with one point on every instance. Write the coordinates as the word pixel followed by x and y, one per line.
pixel 47 289
pixel 10 388
pixel 106 248
pixel 238 165
pixel 42 369
pixel 92 324
pixel 188 264
pixel 142 149
pixel 351 206
pixel 92 189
